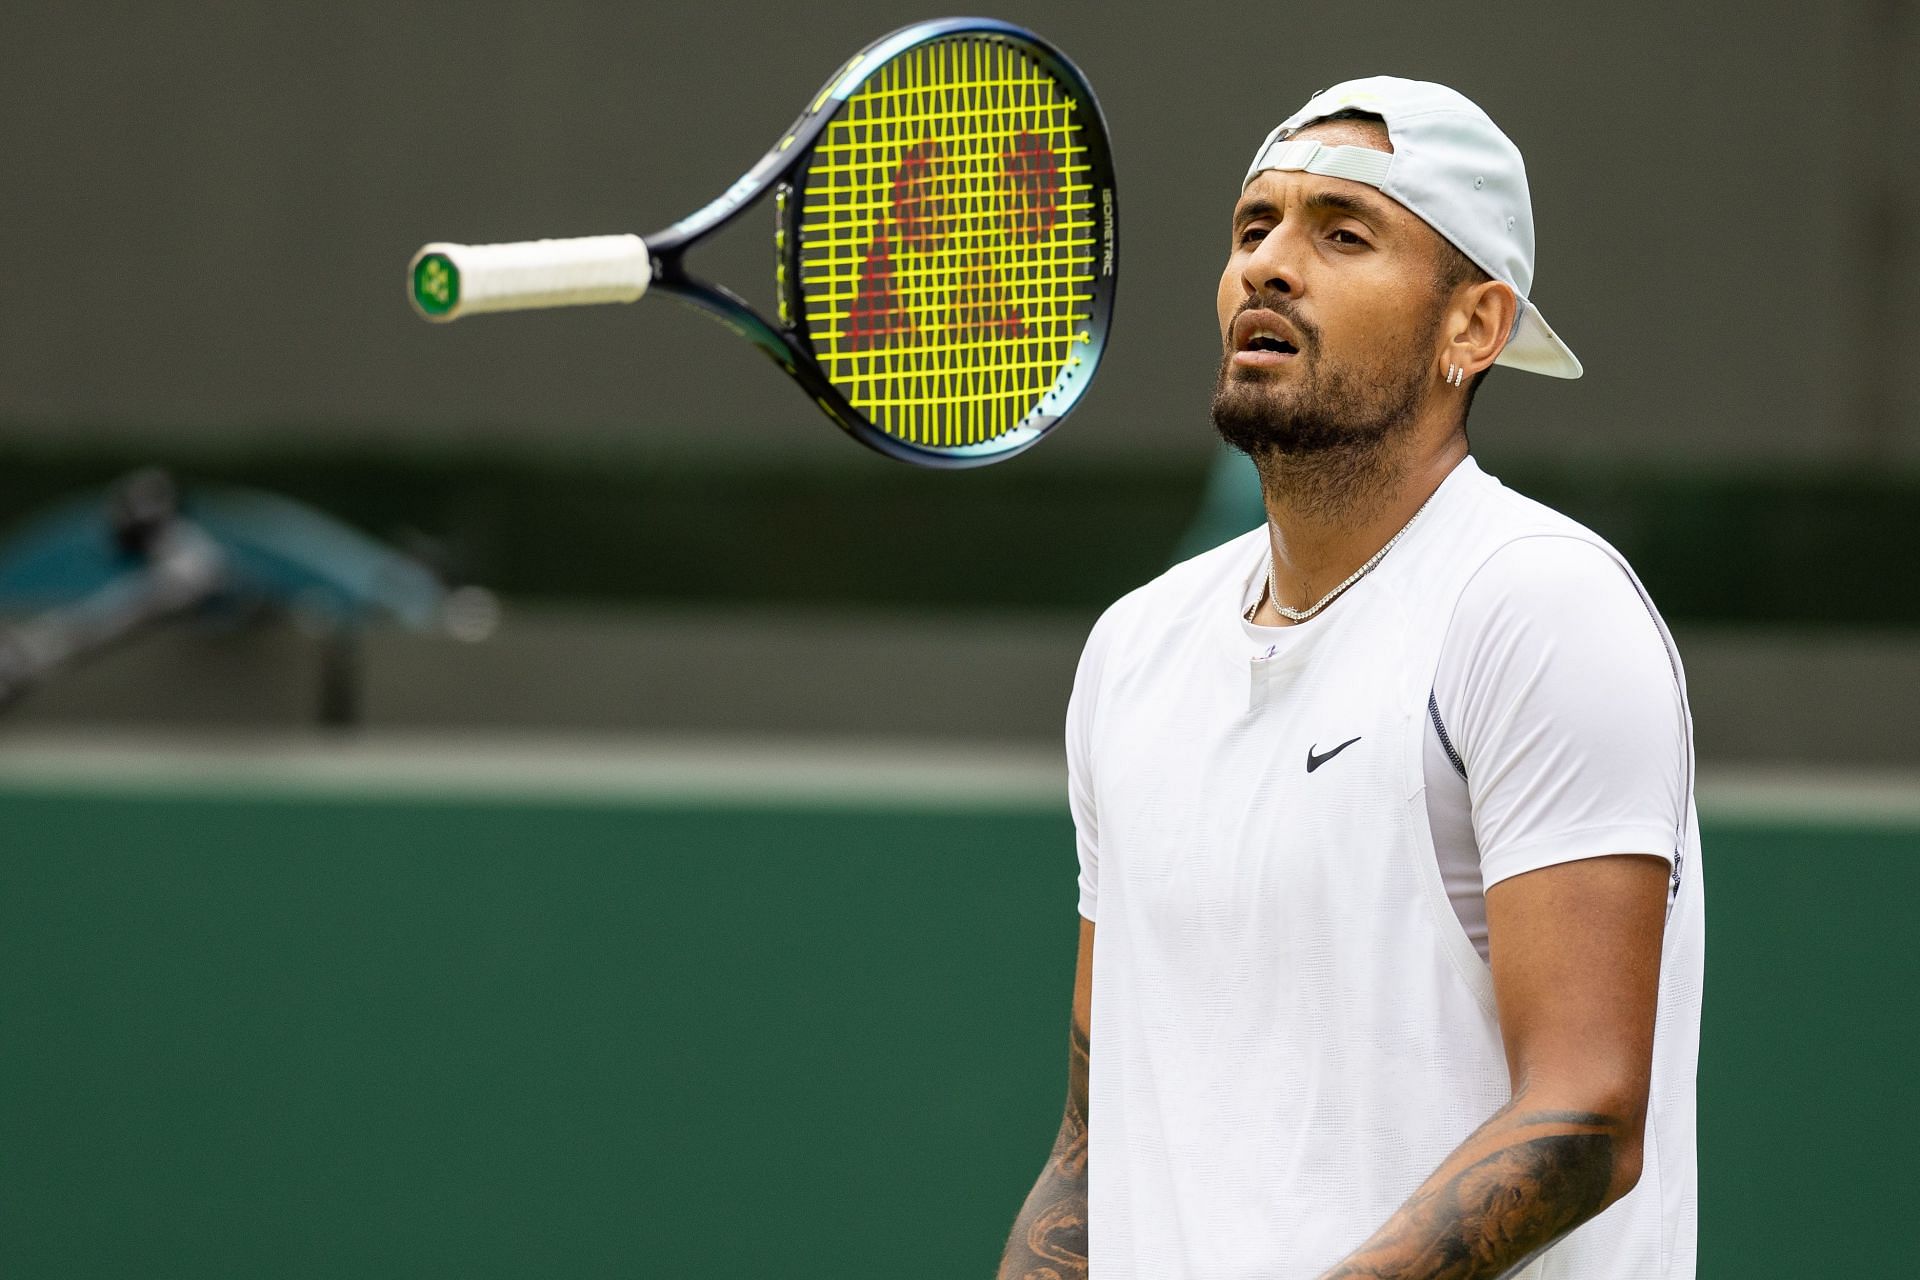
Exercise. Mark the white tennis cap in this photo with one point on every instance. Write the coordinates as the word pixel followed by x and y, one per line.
pixel 1453 167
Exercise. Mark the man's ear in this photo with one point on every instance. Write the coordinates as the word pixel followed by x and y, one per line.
pixel 1479 324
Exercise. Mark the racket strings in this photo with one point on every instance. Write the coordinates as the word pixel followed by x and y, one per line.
pixel 948 242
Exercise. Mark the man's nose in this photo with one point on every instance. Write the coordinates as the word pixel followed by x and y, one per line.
pixel 1275 265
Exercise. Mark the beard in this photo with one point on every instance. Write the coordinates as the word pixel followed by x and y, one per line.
pixel 1324 434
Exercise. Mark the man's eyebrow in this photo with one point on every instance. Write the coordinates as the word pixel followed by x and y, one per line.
pixel 1344 202
pixel 1258 207
pixel 1320 202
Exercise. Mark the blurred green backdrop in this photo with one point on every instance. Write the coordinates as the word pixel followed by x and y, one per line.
pixel 295 1037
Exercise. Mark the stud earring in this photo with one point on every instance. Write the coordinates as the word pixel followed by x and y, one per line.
pixel 1453 375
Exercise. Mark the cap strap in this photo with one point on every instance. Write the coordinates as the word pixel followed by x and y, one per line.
pixel 1356 164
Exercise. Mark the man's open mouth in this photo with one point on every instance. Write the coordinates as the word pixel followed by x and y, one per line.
pixel 1262 337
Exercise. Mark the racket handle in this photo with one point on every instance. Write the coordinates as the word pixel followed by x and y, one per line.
pixel 447 281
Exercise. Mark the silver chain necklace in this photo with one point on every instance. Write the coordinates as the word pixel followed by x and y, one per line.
pixel 1301 615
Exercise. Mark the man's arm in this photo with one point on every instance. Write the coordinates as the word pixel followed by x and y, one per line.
pixel 1576 969
pixel 1049 1240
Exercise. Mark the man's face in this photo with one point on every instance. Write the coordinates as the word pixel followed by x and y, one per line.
pixel 1329 310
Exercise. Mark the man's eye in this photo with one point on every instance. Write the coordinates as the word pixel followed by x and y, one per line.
pixel 1344 236
pixel 1253 234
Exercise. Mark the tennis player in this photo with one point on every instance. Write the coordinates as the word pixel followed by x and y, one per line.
pixel 1384 809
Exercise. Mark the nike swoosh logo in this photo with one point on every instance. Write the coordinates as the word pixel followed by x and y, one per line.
pixel 1314 761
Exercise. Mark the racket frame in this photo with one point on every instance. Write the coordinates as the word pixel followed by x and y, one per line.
pixel 787 340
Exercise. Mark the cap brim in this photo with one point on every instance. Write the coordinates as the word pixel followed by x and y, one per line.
pixel 1536 348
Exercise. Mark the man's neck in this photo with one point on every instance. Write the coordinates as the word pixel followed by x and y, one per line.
pixel 1328 515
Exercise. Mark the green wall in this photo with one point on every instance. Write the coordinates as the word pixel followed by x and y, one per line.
pixel 312 1037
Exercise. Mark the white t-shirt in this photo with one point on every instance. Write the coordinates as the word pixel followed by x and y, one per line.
pixel 1555 731
pixel 1292 1026
pixel 1549 636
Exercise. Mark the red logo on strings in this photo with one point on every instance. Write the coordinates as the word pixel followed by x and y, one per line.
pixel 926 206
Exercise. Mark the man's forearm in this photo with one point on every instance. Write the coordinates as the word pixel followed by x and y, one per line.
pixel 1049 1240
pixel 1523 1180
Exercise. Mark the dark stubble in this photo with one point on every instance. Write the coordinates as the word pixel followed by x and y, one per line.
pixel 1325 437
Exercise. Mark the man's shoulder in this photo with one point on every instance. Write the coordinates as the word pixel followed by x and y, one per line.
pixel 1524 541
pixel 1539 572
pixel 1510 512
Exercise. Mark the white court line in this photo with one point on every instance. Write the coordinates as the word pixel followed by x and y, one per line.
pixel 761 772
pixel 780 773
pixel 1810 797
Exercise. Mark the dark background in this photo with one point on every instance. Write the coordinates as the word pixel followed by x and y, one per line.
pixel 208 210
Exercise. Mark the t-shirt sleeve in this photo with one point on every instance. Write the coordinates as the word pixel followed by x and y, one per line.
pixel 1080 789
pixel 1563 704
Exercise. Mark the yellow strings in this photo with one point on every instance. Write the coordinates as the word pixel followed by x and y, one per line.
pixel 977 318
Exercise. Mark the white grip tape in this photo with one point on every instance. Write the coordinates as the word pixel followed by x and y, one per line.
pixel 536 273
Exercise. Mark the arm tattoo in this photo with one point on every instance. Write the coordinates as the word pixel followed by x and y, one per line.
pixel 1491 1218
pixel 1079 1059
pixel 1050 1237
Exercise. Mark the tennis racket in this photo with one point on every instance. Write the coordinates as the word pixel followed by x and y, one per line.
pixel 944 247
